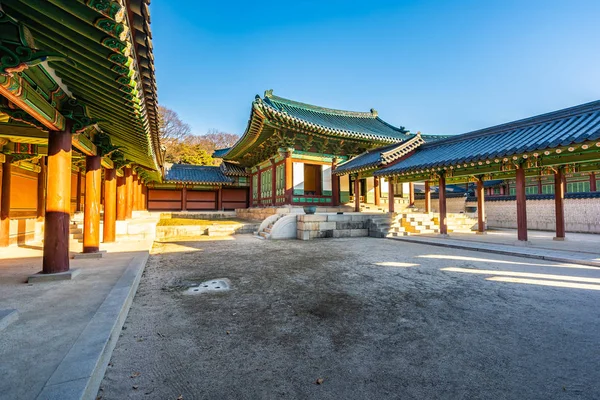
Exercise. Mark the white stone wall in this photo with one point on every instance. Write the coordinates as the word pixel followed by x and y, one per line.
pixel 581 215
pixel 332 225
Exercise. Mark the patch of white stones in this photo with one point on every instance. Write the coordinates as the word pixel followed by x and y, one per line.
pixel 214 285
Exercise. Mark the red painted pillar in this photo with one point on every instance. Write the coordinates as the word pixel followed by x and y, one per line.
pixel 539 185
pixel 391 202
pixel 480 206
pixel 135 201
pixel 427 197
pixel 593 182
pixel 521 205
pixel 41 190
pixel 184 198
pixel 411 194
pixel 357 193
pixel 110 205
pixel 5 203
pixel 91 209
pixel 58 202
pixel 289 179
pixel 259 187
pixel 121 198
pixel 335 185
pixel 442 197
pixel 273 183
pixel 559 207
pixel 79 191
pixel 376 189
pixel 129 191
pixel 220 199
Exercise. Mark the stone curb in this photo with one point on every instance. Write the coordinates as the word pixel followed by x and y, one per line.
pixel 507 252
pixel 80 373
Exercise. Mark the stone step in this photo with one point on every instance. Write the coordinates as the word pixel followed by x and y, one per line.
pixel 268 230
pixel 264 235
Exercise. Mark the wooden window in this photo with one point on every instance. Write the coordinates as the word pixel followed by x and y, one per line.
pixel 578 187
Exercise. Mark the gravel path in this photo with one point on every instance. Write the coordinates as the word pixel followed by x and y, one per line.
pixel 371 318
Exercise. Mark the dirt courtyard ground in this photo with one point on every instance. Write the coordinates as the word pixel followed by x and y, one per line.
pixel 371 318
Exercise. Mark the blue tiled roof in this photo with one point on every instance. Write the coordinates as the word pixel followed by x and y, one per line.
pixel 383 155
pixel 231 169
pixel 560 128
pixel 370 159
pixel 219 153
pixel 203 174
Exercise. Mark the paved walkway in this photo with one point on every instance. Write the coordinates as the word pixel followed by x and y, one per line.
pixel 59 346
pixel 578 248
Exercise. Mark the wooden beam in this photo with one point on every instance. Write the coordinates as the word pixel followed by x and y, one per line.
pixel 58 203
pixel 91 211
pixel 84 145
pixel 18 91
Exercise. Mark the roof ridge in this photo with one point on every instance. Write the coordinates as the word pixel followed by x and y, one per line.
pixel 520 123
pixel 359 114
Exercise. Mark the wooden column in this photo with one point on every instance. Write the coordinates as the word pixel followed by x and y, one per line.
pixel 391 202
pixel 593 182
pixel 559 203
pixel 273 183
pixel 79 189
pixel 521 205
pixel 121 198
pixel 220 199
pixel 480 206
pixel 357 193
pixel 539 185
pixel 129 191
pixel 58 202
pixel 144 196
pixel 335 184
pixel 110 205
pixel 134 193
pixel 411 194
pixel 289 179
pixel 91 209
pixel 184 198
pixel 41 189
pixel 5 203
pixel 376 189
pixel 442 206
pixel 427 197
pixel 140 195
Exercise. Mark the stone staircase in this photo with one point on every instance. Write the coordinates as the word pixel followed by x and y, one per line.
pixel 413 223
pixel 265 233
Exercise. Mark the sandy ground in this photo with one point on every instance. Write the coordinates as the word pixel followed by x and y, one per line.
pixel 372 318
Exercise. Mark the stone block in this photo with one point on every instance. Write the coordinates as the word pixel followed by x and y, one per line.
pixel 323 226
pixel 342 233
pixel 59 276
pixel 338 218
pixel 313 218
pixel 360 217
pixel 359 232
pixel 308 226
pixel 303 235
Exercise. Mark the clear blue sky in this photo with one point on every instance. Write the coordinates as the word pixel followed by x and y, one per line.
pixel 439 67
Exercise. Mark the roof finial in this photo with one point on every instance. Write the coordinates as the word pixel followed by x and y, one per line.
pixel 269 93
pixel 374 112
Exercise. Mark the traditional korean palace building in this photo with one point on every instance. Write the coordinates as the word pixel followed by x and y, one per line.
pixel 78 120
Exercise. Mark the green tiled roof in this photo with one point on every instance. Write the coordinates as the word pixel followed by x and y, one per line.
pixel 343 123
pixel 199 174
